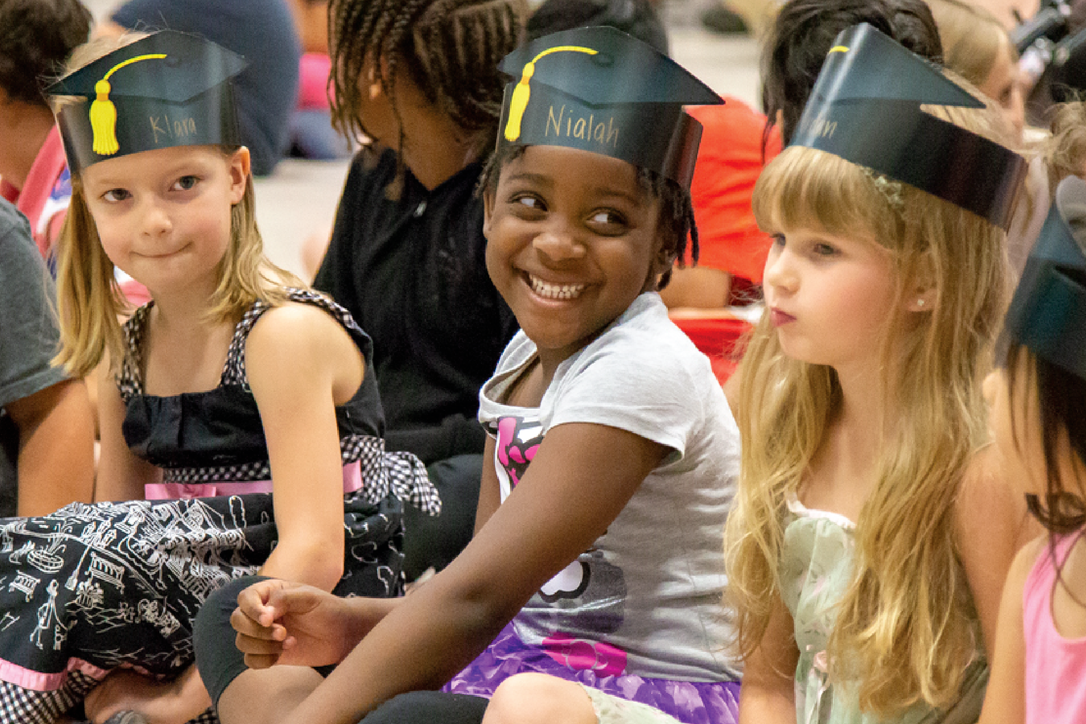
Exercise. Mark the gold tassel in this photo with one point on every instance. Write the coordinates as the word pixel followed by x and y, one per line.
pixel 521 93
pixel 103 114
pixel 519 102
pixel 103 118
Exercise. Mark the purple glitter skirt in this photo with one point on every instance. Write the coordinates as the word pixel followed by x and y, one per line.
pixel 691 702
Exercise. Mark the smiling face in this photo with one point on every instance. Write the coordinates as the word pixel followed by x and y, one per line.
pixel 830 296
pixel 572 241
pixel 163 216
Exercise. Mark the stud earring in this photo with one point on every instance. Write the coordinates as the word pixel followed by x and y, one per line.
pixel 920 302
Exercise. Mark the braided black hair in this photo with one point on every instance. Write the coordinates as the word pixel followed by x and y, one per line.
pixel 676 221
pixel 449 48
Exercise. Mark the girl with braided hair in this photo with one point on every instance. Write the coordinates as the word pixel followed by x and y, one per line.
pixel 592 586
pixel 419 79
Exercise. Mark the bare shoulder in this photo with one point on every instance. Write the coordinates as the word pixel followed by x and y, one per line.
pixel 986 498
pixel 297 340
pixel 300 329
pixel 1028 555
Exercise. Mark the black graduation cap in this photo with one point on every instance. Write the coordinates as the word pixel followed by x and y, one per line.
pixel 865 108
pixel 1048 312
pixel 167 89
pixel 598 89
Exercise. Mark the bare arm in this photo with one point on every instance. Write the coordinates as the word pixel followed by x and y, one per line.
pixel 301 363
pixel 56 447
pixel 121 475
pixel 565 501
pixel 700 287
pixel 282 623
pixel 768 692
pixel 1005 699
pixel 992 524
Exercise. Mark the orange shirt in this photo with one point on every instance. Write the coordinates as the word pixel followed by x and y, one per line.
pixel 729 162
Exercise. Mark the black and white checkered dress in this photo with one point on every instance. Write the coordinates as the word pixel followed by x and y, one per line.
pixel 93 587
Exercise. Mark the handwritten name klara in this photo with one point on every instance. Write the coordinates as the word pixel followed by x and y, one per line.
pixel 162 126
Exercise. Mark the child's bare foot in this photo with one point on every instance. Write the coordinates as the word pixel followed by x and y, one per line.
pixel 174 702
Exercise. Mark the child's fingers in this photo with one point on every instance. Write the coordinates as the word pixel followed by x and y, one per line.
pixel 254 661
pixel 255 599
pixel 245 625
pixel 258 646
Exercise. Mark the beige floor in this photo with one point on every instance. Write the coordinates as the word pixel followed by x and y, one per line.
pixel 299 199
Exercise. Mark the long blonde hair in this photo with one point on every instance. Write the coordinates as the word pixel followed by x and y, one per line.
pixel 906 626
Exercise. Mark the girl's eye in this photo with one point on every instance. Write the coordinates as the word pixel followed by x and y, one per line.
pixel 186 182
pixel 823 249
pixel 527 201
pixel 778 239
pixel 116 195
pixel 608 221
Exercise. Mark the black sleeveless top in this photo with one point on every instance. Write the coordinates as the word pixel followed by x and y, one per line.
pixel 217 435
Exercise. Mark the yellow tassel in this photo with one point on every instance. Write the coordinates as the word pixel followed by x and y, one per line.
pixel 518 103
pixel 103 118
pixel 103 114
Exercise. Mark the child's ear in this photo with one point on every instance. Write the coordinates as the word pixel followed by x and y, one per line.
pixel 488 211
pixel 240 167
pixel 921 292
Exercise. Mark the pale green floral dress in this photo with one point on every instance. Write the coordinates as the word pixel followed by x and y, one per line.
pixel 816 568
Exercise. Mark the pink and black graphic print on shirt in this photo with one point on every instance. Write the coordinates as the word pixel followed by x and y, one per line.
pixel 583 602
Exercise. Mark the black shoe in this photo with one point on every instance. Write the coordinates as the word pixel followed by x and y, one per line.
pixel 720 19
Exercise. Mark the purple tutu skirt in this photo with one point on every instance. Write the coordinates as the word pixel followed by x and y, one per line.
pixel 691 702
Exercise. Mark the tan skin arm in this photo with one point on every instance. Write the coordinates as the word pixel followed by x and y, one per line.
pixel 303 627
pixel 767 695
pixel 568 497
pixel 56 447
pixel 121 475
pixel 1005 699
pixel 700 287
pixel 301 363
pixel 992 525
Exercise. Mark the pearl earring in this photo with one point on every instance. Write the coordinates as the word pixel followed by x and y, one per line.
pixel 920 302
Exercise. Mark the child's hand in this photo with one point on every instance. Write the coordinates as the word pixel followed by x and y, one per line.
pixel 279 622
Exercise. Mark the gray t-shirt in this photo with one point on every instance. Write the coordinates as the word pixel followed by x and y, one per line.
pixel 28 335
pixel 647 596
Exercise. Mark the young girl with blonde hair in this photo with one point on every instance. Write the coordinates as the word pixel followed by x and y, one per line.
pixel 864 554
pixel 229 386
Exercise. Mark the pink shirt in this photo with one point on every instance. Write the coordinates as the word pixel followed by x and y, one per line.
pixel 1055 666
pixel 45 195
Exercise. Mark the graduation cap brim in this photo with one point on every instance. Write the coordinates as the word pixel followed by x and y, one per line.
pixel 598 89
pixel 866 108
pixel 167 89
pixel 1048 311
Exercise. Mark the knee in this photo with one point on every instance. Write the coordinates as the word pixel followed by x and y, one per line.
pixel 217 659
pixel 539 699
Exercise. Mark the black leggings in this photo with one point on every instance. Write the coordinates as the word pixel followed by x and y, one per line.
pixel 217 658
pixel 429 707
pixel 220 662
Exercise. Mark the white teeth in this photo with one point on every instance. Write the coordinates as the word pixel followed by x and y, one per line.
pixel 555 291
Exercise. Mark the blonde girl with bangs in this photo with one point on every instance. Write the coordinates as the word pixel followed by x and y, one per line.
pixel 241 429
pixel 871 532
